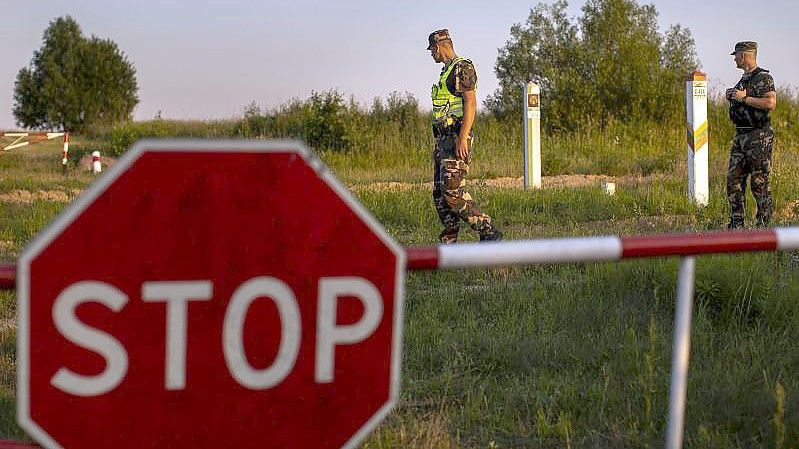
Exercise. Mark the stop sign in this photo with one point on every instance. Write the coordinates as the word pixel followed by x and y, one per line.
pixel 210 294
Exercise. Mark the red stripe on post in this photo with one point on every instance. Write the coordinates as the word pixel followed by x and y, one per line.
pixel 422 257
pixel 8 277
pixel 704 243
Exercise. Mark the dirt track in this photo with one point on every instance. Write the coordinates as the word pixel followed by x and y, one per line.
pixel 788 211
pixel 27 196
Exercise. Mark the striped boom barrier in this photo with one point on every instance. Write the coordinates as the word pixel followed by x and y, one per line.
pixel 575 249
pixel 597 249
pixel 36 137
pixel 592 249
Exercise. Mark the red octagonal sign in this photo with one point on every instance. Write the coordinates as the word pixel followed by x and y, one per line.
pixel 210 294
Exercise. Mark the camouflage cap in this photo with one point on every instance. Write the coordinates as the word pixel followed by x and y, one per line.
pixel 437 36
pixel 745 46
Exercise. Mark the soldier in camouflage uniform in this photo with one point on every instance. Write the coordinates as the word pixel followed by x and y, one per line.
pixel 751 100
pixel 454 107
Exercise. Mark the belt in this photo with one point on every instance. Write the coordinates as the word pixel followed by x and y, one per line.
pixel 447 126
pixel 748 129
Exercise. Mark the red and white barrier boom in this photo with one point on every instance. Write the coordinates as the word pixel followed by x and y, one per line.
pixel 597 249
pixel 20 140
pixel 588 249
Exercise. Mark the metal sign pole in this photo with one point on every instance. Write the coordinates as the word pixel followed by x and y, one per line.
pixel 680 352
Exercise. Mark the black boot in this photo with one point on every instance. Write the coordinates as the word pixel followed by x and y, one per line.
pixel 735 224
pixel 449 235
pixel 493 235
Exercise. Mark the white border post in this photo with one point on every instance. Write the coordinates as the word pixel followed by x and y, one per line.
pixel 680 352
pixel 97 166
pixel 696 112
pixel 532 135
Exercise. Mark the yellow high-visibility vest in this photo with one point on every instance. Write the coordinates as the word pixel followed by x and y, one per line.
pixel 445 103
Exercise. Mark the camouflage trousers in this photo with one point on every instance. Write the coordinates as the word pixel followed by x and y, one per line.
pixel 453 203
pixel 750 156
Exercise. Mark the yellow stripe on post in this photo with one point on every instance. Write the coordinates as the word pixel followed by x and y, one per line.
pixel 700 136
pixel 697 138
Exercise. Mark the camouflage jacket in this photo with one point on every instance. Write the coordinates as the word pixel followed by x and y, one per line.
pixel 462 78
pixel 757 84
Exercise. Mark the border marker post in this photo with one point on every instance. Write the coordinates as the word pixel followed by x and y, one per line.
pixel 532 135
pixel 97 165
pixel 696 112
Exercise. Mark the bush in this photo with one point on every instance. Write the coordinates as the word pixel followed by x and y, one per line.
pixel 610 63
pixel 121 137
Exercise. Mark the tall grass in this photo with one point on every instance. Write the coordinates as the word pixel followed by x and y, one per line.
pixel 391 139
pixel 545 356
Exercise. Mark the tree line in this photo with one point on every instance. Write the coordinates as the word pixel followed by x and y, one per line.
pixel 609 63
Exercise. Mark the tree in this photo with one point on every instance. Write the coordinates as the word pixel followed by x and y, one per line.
pixel 610 63
pixel 74 82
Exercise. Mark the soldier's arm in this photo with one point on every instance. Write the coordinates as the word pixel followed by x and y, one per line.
pixel 767 102
pixel 469 111
pixel 465 84
pixel 762 94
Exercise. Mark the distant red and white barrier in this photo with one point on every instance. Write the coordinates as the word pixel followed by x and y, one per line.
pixel 20 138
pixel 20 141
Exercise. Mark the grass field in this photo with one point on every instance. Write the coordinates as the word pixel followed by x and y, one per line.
pixel 546 356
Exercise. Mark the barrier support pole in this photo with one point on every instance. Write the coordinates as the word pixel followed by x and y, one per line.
pixel 532 136
pixel 680 353
pixel 66 151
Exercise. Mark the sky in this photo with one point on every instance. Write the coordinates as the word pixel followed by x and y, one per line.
pixel 209 59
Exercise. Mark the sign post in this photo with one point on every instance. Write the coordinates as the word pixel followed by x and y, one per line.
pixel 248 302
pixel 532 135
pixel 696 111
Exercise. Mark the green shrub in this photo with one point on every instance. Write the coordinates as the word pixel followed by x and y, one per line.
pixel 392 141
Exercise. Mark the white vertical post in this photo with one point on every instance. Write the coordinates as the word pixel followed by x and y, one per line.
pixel 66 150
pixel 97 165
pixel 680 352
pixel 532 135
pixel 696 111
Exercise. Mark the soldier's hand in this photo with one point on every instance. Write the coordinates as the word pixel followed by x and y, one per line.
pixel 462 148
pixel 739 95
